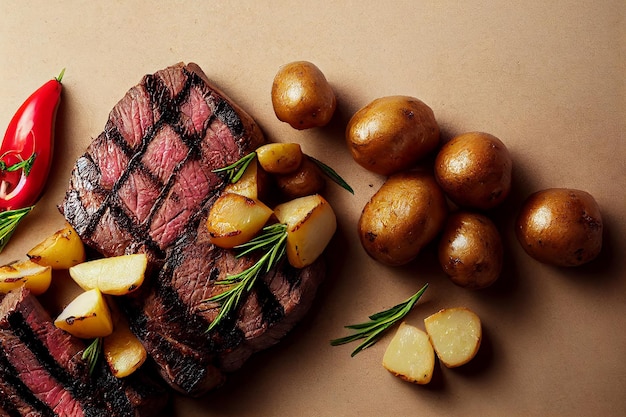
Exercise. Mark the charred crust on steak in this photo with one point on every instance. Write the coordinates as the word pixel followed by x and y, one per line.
pixel 145 184
pixel 42 370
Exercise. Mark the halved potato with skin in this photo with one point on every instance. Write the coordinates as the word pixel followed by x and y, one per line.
pixel 456 334
pixel 410 355
pixel 35 277
pixel 87 316
pixel 234 219
pixel 117 275
pixel 280 158
pixel 123 351
pixel 61 250
pixel 311 224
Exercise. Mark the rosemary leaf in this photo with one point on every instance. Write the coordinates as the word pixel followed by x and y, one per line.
pixel 379 322
pixel 8 223
pixel 236 169
pixel 330 173
pixel 92 354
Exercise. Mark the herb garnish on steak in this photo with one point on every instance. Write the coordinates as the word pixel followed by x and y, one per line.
pixel 145 184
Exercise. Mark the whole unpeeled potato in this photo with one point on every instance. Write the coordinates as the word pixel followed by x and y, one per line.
pixel 391 134
pixel 302 97
pixel 470 250
pixel 403 216
pixel 474 170
pixel 560 226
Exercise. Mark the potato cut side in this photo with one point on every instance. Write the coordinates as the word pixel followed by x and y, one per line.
pixel 456 334
pixel 234 219
pixel 311 224
pixel 280 158
pixel 123 351
pixel 410 356
pixel 35 277
pixel 117 275
pixel 61 250
pixel 252 183
pixel 87 316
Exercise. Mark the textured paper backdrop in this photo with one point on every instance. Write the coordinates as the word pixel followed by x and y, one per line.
pixel 545 77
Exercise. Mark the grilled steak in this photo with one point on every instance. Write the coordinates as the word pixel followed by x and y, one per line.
pixel 42 372
pixel 145 184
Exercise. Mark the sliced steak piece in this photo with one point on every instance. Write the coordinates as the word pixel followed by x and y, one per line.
pixel 43 373
pixel 145 184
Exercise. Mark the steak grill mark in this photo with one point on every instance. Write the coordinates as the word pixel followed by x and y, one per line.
pixel 42 371
pixel 145 184
pixel 168 109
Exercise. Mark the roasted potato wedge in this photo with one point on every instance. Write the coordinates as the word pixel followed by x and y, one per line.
pixel 456 334
pixel 61 250
pixel 234 219
pixel 123 351
pixel 311 224
pixel 410 355
pixel 117 275
pixel 35 277
pixel 87 316
pixel 254 183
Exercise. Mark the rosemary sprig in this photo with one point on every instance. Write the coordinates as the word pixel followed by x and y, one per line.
pixel 271 240
pixel 92 354
pixel 330 173
pixel 373 329
pixel 237 168
pixel 8 223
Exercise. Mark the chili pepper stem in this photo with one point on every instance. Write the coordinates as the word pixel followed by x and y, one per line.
pixel 60 77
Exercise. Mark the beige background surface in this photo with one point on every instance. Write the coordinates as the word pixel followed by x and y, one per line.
pixel 547 77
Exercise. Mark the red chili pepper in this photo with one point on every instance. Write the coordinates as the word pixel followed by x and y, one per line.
pixel 26 155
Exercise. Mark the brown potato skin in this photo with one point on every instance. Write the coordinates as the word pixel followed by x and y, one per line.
pixel 560 226
pixel 474 170
pixel 392 134
pixel 403 216
pixel 302 97
pixel 306 180
pixel 470 250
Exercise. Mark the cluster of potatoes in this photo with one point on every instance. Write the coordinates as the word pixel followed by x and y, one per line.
pixel 450 200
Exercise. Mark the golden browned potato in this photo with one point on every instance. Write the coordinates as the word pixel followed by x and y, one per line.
pixel 470 250
pixel 234 219
pixel 61 250
pixel 391 134
pixel 302 97
pixel 311 224
pixel 560 226
pixel 405 214
pixel 474 170
pixel 308 179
